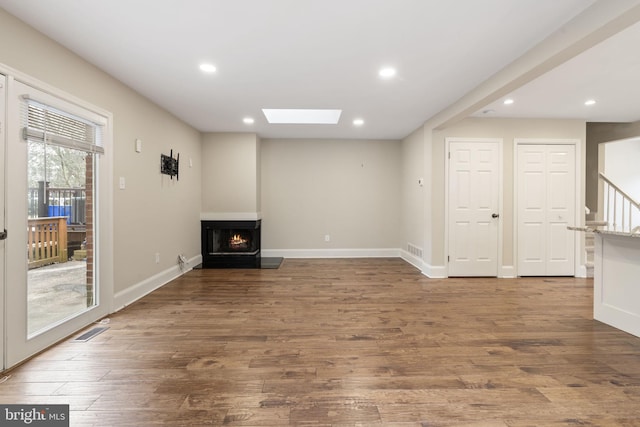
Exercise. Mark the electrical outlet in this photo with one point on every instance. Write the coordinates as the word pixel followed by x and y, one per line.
pixel 157 258
pixel 327 238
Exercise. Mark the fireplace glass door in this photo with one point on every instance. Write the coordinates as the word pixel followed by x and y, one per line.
pixel 233 241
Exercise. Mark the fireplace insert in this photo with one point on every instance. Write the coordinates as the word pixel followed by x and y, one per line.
pixel 230 244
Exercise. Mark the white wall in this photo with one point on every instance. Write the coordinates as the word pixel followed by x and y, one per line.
pixel 347 189
pixel 153 214
pixel 621 160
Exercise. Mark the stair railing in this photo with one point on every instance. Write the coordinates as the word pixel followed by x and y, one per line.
pixel 621 211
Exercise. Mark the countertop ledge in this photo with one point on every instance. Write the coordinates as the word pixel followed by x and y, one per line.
pixel 608 232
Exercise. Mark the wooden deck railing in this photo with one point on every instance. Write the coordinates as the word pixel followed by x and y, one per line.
pixel 47 241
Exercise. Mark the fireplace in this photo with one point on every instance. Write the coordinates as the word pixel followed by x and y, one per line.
pixel 230 244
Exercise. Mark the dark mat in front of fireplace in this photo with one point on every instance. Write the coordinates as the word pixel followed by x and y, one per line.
pixel 264 263
pixel 270 262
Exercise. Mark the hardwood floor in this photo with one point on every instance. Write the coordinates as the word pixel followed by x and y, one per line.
pixel 342 343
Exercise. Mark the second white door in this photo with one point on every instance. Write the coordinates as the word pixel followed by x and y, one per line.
pixel 546 206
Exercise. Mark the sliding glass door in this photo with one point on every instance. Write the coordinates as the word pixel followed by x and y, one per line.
pixel 53 285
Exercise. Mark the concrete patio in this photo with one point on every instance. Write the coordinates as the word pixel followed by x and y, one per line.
pixel 56 292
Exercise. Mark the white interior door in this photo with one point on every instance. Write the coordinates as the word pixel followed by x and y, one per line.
pixel 546 206
pixel 473 208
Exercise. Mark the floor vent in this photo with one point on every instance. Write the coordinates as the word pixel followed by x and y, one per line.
pixel 414 250
pixel 90 334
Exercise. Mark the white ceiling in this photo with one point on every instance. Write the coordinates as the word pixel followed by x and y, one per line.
pixel 326 54
pixel 608 73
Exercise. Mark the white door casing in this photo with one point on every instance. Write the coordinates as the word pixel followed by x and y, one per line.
pixel 473 206
pixel 3 86
pixel 546 199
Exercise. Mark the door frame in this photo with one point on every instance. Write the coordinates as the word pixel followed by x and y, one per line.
pixel 3 211
pixel 103 211
pixel 580 269
pixel 500 142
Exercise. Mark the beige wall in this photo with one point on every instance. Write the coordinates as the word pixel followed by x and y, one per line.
pixel 348 189
pixel 153 214
pixel 413 194
pixel 508 130
pixel 230 176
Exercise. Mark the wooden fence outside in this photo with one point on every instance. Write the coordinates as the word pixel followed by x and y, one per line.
pixel 47 241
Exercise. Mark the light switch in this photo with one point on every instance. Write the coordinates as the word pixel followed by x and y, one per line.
pixel 138 145
pixel 122 183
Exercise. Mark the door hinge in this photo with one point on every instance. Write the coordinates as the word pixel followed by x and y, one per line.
pixel 3 235
pixel 448 258
pixel 449 155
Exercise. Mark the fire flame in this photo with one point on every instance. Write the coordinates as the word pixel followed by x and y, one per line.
pixel 237 240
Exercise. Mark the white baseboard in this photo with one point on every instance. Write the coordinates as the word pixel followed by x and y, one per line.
pixel 582 271
pixel 440 272
pixel 137 291
pixel 412 259
pixel 435 271
pixel 331 253
pixel 429 271
pixel 507 272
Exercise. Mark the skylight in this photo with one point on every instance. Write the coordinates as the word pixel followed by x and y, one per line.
pixel 302 116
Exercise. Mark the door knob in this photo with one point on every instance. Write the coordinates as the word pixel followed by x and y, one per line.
pixel 495 215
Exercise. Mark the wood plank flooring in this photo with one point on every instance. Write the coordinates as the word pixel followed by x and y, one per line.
pixel 345 342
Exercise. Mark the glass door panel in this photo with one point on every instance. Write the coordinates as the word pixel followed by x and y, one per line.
pixel 60 282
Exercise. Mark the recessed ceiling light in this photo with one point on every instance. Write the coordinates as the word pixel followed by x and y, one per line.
pixel 248 121
pixel 208 68
pixel 358 122
pixel 508 101
pixel 590 102
pixel 387 72
pixel 301 116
